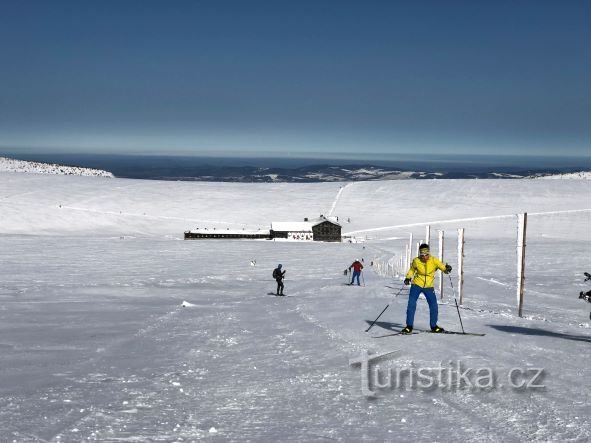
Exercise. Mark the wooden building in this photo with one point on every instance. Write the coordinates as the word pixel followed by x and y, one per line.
pixel 299 231
pixel 327 230
pixel 204 233
pixel 320 229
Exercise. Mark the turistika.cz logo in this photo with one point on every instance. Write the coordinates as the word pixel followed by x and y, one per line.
pixel 450 376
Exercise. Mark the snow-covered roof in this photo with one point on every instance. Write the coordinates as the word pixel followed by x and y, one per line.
pixel 305 226
pixel 292 226
pixel 230 231
pixel 324 218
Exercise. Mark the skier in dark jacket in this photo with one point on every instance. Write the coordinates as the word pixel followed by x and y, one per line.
pixel 586 295
pixel 357 267
pixel 279 275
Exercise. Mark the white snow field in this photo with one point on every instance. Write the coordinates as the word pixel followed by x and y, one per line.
pixel 113 328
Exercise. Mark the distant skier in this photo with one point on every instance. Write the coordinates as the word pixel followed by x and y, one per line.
pixel 422 273
pixel 357 267
pixel 279 275
pixel 586 295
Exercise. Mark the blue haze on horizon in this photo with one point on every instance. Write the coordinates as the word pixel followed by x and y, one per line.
pixel 296 78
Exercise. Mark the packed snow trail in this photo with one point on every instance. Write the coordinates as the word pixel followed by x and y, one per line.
pixel 336 200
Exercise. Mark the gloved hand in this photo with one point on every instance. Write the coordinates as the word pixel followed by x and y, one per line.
pixel 447 269
pixel 407 281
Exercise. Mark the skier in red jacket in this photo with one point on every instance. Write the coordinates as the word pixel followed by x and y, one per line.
pixel 357 267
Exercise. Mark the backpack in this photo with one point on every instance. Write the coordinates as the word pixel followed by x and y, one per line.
pixel 275 273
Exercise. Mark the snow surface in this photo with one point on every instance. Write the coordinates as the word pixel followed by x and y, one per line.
pixel 13 165
pixel 112 328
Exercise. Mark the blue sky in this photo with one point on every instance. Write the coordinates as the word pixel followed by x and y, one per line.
pixel 296 77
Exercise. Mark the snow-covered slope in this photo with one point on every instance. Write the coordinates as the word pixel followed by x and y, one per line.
pixel 66 204
pixel 13 165
pixel 114 329
pixel 584 175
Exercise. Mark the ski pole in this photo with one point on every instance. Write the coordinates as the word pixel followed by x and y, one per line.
pixel 457 307
pixel 384 310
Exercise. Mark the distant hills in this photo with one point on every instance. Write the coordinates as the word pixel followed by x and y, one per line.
pixel 348 173
pixel 154 170
pixel 325 173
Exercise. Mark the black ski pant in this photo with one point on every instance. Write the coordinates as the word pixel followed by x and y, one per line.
pixel 279 285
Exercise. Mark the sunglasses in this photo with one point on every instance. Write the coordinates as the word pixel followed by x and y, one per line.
pixel 424 254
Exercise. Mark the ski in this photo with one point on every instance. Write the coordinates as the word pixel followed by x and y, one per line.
pixel 476 334
pixel 395 334
pixel 418 331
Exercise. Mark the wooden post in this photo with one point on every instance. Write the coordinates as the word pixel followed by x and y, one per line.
pixel 440 244
pixel 406 255
pixel 521 236
pixel 461 265
pixel 409 252
pixel 428 235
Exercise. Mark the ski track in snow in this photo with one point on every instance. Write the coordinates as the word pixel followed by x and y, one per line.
pixel 129 214
pixel 492 280
pixel 338 196
pixel 66 426
pixel 150 216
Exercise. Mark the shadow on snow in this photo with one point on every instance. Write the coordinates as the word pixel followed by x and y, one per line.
pixel 540 332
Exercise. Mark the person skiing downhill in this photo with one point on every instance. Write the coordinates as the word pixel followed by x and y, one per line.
pixel 279 275
pixel 357 267
pixel 421 274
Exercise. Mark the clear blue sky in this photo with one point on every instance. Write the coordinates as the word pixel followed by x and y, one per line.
pixel 296 76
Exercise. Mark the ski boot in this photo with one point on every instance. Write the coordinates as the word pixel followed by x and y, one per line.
pixel 437 330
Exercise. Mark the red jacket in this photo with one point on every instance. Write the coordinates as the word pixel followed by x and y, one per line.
pixel 357 266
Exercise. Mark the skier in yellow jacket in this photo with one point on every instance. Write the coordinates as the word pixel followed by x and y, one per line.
pixel 422 273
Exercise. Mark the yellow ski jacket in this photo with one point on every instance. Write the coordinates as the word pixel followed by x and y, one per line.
pixel 423 273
